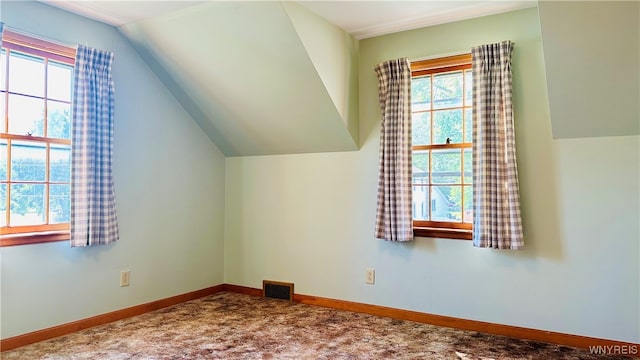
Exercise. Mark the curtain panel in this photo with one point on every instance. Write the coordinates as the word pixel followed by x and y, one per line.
pixel 394 218
pixel 93 206
pixel 496 198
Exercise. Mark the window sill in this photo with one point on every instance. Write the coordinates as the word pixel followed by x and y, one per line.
pixel 33 238
pixel 457 234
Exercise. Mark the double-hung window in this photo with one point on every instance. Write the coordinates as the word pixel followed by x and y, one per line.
pixel 441 96
pixel 35 139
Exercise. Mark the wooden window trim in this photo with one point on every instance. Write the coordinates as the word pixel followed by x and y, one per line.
pixel 445 230
pixel 35 234
pixel 442 146
pixel 443 233
pixel 436 229
pixel 19 42
pixel 34 229
pixel 34 238
pixel 440 64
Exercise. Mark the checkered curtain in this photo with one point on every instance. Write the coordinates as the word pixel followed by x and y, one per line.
pixel 93 206
pixel 496 199
pixel 394 220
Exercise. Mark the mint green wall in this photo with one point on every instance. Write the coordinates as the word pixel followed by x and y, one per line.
pixel 592 57
pixel 226 53
pixel 309 218
pixel 169 188
pixel 334 56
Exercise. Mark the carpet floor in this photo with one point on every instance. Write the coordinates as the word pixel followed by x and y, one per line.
pixel 233 326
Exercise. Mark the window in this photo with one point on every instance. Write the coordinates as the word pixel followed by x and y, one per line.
pixel 35 139
pixel 442 146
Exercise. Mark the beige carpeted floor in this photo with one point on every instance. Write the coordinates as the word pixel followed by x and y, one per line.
pixel 234 326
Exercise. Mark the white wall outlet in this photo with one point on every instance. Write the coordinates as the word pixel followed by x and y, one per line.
pixel 125 277
pixel 371 276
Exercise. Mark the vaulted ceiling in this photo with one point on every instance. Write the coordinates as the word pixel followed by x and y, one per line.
pixel 259 77
pixel 269 77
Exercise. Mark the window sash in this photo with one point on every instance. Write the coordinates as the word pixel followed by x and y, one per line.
pixel 447 229
pixel 47 226
pixel 13 42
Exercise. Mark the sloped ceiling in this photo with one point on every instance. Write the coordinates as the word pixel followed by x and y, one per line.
pixel 259 77
pixel 269 77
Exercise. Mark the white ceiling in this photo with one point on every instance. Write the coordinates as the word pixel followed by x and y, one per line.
pixel 362 19
pixel 120 12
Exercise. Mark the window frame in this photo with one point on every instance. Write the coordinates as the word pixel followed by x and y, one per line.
pixel 48 51
pixel 442 229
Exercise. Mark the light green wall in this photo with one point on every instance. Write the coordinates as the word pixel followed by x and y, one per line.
pixel 334 55
pixel 245 67
pixel 309 218
pixel 169 189
pixel 592 57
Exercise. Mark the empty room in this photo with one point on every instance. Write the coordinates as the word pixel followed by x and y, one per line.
pixel 319 179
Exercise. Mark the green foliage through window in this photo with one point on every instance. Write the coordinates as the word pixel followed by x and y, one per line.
pixel 35 143
pixel 442 155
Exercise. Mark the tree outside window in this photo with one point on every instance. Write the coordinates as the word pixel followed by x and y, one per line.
pixel 35 136
pixel 442 145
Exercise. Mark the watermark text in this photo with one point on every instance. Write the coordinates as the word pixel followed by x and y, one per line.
pixel 614 349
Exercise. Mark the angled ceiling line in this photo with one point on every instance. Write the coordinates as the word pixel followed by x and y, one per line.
pixel 344 74
pixel 179 93
pixel 249 78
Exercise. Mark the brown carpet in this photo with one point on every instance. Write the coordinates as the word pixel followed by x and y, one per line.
pixel 234 326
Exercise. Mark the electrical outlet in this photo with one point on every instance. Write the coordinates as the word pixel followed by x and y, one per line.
pixel 124 277
pixel 371 276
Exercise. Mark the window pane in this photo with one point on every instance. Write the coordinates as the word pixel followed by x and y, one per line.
pixel 468 204
pixel 60 163
pixel 59 82
pixel 421 128
pixel 26 74
pixel 468 87
pixel 3 204
pixel 447 90
pixel 27 204
pixel 421 202
pixel 420 169
pixel 3 69
pixel 446 166
pixel 447 124
pixel 447 201
pixel 468 166
pixel 3 160
pixel 421 93
pixel 58 120
pixel 26 115
pixel 3 187
pixel 59 203
pixel 468 125
pixel 28 161
pixel 2 109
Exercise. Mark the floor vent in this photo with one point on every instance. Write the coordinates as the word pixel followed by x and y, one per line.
pixel 277 290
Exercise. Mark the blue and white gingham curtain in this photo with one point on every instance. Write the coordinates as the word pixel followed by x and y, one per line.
pixel 496 198
pixel 394 218
pixel 93 205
